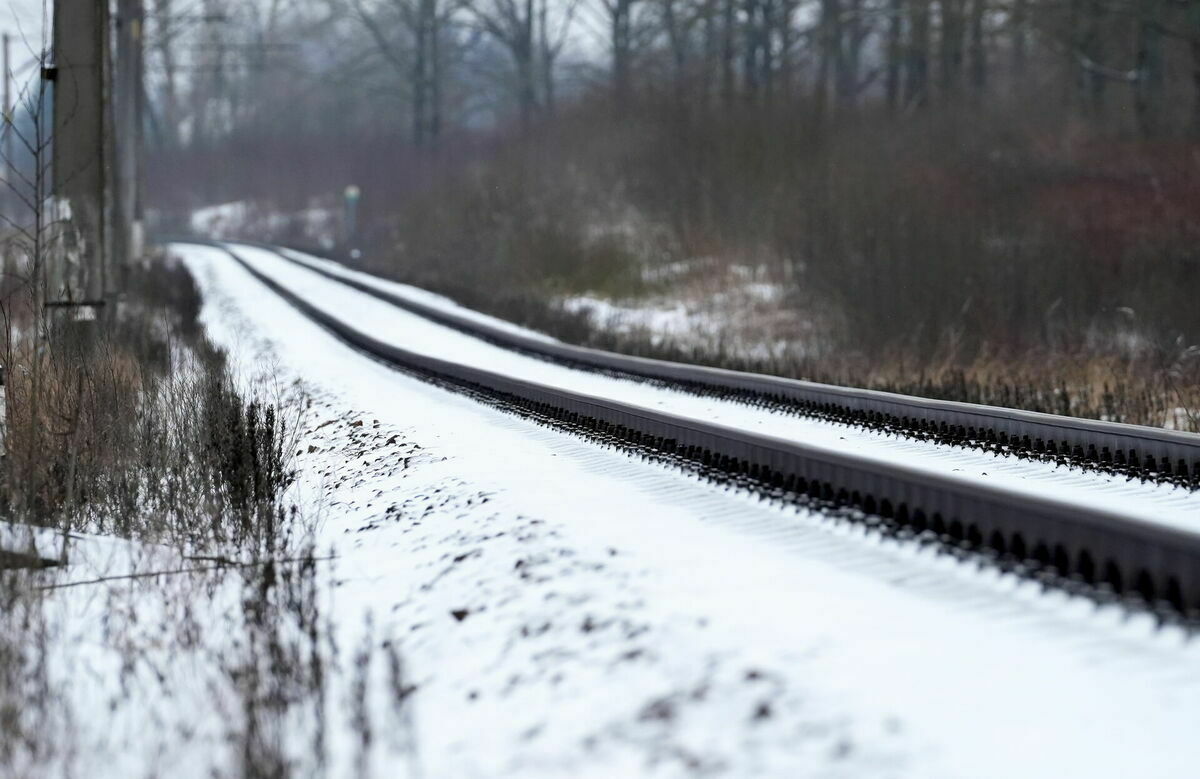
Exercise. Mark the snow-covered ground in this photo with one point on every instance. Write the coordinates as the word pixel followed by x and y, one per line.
pixel 564 610
pixel 735 309
pixel 510 601
pixel 317 224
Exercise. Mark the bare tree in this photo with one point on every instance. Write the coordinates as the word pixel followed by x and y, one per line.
pixel 35 248
pixel 163 33
pixel 1150 66
pixel 953 17
pixel 976 46
pixel 511 24
pixel 894 53
pixel 677 20
pixel 842 29
pixel 552 37
pixel 728 51
pixel 620 19
pixel 412 35
pixel 1018 23
pixel 917 54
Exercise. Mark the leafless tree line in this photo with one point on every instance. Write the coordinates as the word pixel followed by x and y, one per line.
pixel 940 183
pixel 433 66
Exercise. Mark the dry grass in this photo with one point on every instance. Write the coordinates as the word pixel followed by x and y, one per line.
pixel 226 656
pixel 134 426
pixel 1162 392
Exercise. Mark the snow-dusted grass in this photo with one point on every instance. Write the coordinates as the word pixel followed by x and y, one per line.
pixel 755 325
pixel 204 579
pixel 743 317
pixel 707 306
pixel 318 224
pixel 559 609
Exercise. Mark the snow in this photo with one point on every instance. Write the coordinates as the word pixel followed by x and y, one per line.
pixel 29 544
pixel 744 311
pixel 565 610
pixel 222 219
pixel 23 19
pixel 668 322
pixel 622 619
pixel 1152 503
pixel 746 317
pixel 415 294
pixel 317 223
pixel 84 557
pixel 711 306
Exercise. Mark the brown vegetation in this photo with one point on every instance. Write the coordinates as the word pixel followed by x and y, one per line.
pixel 134 426
pixel 986 261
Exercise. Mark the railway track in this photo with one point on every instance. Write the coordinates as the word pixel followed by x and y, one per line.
pixel 1099 551
pixel 1140 452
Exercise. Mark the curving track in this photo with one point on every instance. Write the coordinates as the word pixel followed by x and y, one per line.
pixel 1144 452
pixel 1079 546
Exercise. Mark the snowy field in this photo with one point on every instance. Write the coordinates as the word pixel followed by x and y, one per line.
pixel 737 309
pixel 564 610
pixel 508 601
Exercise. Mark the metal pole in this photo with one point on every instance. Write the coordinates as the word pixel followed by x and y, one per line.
pixel 352 195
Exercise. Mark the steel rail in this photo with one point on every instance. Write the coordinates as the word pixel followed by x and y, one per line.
pixel 1145 450
pixel 1161 562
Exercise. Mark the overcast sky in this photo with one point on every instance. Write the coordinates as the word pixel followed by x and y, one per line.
pixel 23 17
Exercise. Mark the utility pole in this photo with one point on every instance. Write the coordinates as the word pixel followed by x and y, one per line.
pixel 82 142
pixel 6 143
pixel 127 125
pixel 6 149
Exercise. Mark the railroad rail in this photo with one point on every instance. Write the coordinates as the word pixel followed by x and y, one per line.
pixel 1143 452
pixel 1098 550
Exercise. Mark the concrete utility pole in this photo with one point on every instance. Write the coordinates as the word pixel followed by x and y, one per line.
pixel 82 142
pixel 6 197
pixel 127 123
pixel 8 116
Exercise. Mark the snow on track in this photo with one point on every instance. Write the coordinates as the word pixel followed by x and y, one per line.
pixel 621 619
pixel 1165 504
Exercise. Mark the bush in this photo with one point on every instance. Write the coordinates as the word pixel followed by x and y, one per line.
pixel 135 427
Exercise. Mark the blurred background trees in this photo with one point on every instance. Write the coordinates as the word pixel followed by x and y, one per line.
pixel 1124 62
pixel 934 182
